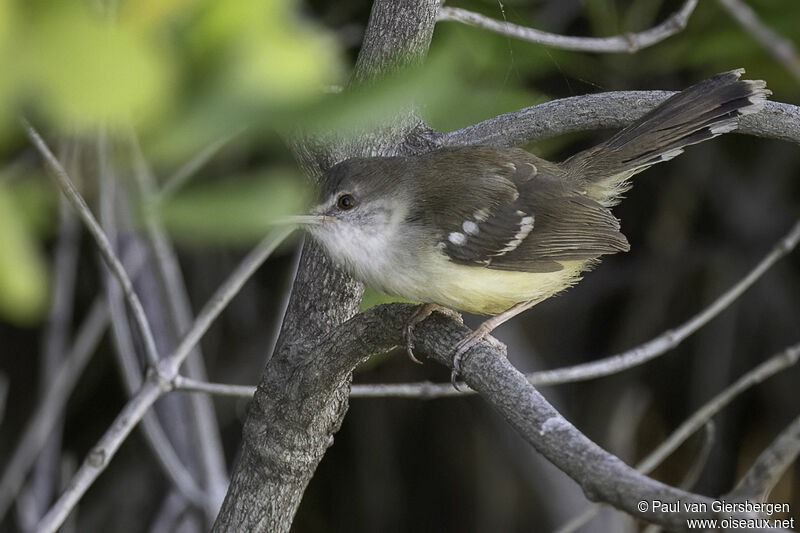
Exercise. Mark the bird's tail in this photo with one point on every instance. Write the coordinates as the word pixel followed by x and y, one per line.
pixel 700 112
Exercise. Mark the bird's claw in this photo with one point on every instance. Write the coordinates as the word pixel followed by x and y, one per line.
pixel 423 312
pixel 466 344
pixel 410 344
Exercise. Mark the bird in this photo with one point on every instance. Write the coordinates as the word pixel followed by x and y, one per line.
pixel 494 231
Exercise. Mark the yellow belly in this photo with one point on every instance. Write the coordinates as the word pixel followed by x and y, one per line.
pixel 486 291
pixel 476 289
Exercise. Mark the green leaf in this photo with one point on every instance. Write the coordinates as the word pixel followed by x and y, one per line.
pixel 83 71
pixel 238 211
pixel 23 275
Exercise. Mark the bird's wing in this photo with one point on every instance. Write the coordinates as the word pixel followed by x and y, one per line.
pixel 522 214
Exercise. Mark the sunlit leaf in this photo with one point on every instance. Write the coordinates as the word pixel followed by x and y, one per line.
pixel 84 71
pixel 23 276
pixel 144 14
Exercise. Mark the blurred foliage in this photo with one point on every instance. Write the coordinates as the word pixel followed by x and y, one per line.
pixel 217 212
pixel 23 272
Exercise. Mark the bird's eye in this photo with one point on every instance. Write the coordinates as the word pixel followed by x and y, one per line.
pixel 345 202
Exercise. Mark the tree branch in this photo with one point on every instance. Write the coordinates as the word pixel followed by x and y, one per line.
pixel 131 369
pixel 628 42
pixel 52 404
pixel 770 465
pixel 605 110
pixel 207 434
pixel 43 482
pixel 106 251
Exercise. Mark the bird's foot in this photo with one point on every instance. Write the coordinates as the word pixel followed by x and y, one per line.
pixel 422 312
pixel 482 333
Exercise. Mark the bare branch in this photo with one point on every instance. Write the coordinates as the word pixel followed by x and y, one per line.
pixel 51 406
pixel 670 339
pixel 605 110
pixel 502 389
pixel 102 452
pixel 183 383
pixel 164 452
pixel 767 369
pixel 627 43
pixel 696 468
pixel 156 384
pixel 773 462
pixel 43 481
pixel 701 458
pixel 779 47
pixel 179 178
pixel 404 44
pixel 106 251
pixel 167 457
pixel 208 437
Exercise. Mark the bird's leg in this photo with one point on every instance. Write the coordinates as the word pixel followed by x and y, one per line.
pixel 422 312
pixel 482 333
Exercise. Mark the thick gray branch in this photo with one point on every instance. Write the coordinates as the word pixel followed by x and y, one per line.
pixel 605 110
pixel 398 35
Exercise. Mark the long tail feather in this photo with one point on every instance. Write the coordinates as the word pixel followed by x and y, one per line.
pixel 698 113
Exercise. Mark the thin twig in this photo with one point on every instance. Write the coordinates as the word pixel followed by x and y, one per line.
pixel 208 437
pixel 167 457
pixel 156 384
pixel 628 42
pixel 778 46
pixel 701 458
pixel 98 458
pixel 179 178
pixel 695 469
pixel 52 405
pixel 183 383
pixel 767 369
pixel 770 465
pixel 43 480
pixel 106 251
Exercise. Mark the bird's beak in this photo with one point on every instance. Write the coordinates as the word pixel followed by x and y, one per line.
pixel 303 220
